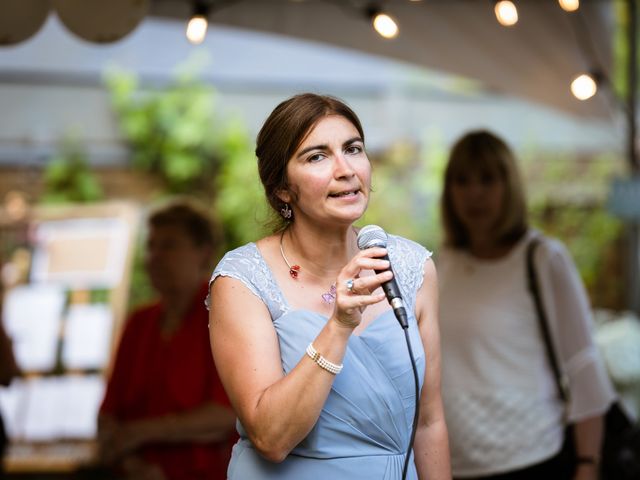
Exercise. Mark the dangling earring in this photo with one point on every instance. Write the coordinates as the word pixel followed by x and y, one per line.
pixel 286 212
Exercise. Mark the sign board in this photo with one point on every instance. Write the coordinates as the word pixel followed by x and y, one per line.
pixel 81 252
pixel 624 198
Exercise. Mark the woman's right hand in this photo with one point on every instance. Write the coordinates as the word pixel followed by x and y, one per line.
pixel 350 304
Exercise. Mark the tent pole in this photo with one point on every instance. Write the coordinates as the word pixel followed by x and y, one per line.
pixel 633 280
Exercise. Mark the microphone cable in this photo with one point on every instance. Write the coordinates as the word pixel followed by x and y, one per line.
pixel 417 407
pixel 374 236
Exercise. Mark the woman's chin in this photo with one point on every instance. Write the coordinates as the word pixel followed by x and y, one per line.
pixel 351 216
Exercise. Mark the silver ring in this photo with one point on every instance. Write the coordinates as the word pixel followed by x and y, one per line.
pixel 349 284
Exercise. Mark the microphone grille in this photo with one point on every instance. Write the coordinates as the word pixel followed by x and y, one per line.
pixel 372 236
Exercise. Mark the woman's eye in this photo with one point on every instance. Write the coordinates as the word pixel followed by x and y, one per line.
pixel 315 157
pixel 353 149
pixel 488 179
pixel 460 180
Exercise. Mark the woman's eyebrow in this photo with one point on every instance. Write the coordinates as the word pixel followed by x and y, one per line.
pixel 310 148
pixel 326 147
pixel 353 140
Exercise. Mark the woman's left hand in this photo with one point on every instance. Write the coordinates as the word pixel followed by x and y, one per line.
pixel 355 293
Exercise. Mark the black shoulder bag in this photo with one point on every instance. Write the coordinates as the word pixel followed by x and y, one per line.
pixel 620 455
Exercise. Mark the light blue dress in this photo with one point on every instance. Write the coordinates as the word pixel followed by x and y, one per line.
pixel 365 425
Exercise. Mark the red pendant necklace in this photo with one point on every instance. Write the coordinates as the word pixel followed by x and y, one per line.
pixel 294 270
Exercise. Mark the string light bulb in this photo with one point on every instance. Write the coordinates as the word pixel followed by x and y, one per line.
pixel 198 23
pixel 383 23
pixel 506 13
pixel 569 5
pixel 584 86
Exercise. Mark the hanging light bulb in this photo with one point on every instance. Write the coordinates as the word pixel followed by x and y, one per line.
pixel 198 23
pixel 584 86
pixel 506 13
pixel 197 29
pixel 569 5
pixel 383 23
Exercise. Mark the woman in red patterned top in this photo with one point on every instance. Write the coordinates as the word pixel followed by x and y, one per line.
pixel 165 414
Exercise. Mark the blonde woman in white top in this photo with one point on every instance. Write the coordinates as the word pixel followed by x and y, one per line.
pixel 505 418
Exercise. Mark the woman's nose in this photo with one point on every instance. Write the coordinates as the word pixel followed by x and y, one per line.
pixel 342 166
pixel 475 188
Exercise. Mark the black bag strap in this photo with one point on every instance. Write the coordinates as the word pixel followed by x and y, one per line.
pixel 562 383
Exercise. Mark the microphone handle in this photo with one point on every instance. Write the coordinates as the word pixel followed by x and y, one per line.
pixel 392 292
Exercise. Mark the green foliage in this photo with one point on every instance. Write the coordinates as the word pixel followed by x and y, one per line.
pixel 176 135
pixel 621 49
pixel 68 178
pixel 406 195
pixel 240 199
pixel 567 199
pixel 172 131
pixel 141 290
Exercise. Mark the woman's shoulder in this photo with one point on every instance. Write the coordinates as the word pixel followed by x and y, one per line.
pixel 243 263
pixel 248 265
pixel 409 260
pixel 553 260
pixel 243 250
pixel 247 253
pixel 146 309
pixel 141 319
pixel 548 248
pixel 405 245
pixel 240 263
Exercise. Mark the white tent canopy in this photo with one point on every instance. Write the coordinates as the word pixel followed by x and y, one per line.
pixel 391 83
pixel 52 85
pixel 535 59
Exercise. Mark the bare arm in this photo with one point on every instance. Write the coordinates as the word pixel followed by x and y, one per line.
pixel 278 411
pixel 209 422
pixel 431 448
pixel 130 465
pixel 588 441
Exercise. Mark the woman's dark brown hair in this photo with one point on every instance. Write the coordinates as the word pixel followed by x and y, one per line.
pixel 283 132
pixel 482 151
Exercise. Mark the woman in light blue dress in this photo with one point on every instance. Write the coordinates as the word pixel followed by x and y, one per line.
pixel 309 351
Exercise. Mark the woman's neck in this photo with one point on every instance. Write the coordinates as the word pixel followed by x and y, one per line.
pixel 487 247
pixel 320 251
pixel 177 302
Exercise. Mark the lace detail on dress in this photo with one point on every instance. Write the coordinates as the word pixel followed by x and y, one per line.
pixel 247 265
pixel 408 259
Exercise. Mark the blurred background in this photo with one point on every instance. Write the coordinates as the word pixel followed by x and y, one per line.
pixel 111 107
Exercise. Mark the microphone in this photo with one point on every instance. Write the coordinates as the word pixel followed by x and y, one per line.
pixel 374 236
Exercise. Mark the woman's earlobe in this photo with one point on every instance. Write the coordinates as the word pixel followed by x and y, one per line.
pixel 284 196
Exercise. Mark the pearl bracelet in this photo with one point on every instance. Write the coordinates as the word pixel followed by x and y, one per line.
pixel 323 362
